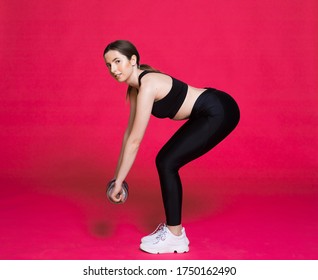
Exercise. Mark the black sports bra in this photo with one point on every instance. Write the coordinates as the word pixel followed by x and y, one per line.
pixel 168 106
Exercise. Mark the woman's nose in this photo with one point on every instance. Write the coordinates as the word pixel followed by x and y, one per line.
pixel 113 68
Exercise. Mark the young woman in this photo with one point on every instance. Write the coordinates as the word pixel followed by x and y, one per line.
pixel 211 114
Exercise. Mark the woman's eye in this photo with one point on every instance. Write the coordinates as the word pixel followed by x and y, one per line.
pixel 117 61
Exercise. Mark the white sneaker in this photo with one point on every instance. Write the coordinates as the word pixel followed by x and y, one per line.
pixel 152 236
pixel 165 242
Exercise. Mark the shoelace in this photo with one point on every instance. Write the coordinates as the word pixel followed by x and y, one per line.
pixel 162 234
pixel 159 228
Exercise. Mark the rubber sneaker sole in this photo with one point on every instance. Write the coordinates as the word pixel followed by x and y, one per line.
pixel 172 249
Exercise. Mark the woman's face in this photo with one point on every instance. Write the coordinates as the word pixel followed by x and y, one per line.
pixel 119 66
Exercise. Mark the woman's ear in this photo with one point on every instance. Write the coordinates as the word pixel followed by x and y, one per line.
pixel 133 60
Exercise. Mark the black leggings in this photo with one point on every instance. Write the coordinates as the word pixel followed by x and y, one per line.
pixel 214 115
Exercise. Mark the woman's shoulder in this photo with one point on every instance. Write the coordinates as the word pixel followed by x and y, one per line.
pixel 150 77
pixel 148 73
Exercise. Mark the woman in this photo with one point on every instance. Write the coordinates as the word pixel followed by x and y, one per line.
pixel 211 114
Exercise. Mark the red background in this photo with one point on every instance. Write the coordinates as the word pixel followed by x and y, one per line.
pixel 63 116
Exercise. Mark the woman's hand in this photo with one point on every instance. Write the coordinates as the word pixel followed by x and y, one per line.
pixel 117 192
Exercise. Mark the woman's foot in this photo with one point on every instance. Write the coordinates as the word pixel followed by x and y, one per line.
pixel 162 240
pixel 176 230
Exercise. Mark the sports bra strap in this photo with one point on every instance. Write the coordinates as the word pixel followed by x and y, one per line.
pixel 143 74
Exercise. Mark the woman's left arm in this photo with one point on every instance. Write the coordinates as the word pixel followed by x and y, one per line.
pixel 144 105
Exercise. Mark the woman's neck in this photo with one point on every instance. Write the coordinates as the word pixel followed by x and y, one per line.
pixel 133 79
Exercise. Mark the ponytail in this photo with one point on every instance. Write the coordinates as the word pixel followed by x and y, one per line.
pixel 148 68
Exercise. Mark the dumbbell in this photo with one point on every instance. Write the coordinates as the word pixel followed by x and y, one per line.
pixel 124 191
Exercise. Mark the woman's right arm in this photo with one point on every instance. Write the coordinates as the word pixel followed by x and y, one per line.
pixel 133 101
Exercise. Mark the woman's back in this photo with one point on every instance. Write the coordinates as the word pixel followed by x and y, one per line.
pixel 173 98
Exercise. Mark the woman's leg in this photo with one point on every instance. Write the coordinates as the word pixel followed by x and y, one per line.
pixel 197 136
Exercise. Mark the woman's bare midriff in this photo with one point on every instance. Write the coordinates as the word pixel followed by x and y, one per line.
pixel 187 106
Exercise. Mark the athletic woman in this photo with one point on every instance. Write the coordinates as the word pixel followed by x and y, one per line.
pixel 211 115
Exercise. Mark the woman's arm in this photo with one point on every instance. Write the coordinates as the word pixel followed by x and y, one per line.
pixel 139 118
pixel 133 102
